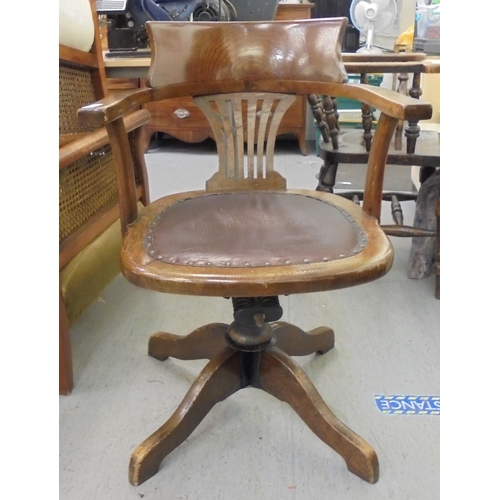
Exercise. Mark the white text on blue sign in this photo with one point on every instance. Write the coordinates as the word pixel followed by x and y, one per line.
pixel 408 405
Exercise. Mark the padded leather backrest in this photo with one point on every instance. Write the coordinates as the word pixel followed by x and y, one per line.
pixel 307 50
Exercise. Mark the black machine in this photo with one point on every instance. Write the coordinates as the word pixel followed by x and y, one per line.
pixel 126 18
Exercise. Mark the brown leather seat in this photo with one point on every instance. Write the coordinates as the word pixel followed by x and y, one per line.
pixel 281 236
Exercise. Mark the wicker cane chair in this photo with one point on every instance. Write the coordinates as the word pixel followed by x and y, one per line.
pixel 88 193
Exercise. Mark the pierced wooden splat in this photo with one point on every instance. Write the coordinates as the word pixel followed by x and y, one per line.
pixel 245 127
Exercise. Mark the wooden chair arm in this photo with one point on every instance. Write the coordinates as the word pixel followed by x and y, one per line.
pixel 113 107
pixel 87 143
pixel 387 101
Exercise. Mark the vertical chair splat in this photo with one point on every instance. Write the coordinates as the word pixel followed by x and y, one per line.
pixel 256 117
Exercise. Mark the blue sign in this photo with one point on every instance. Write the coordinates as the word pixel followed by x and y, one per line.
pixel 408 405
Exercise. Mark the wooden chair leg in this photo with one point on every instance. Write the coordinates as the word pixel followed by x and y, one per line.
pixel 220 378
pixel 296 342
pixel 65 357
pixel 327 176
pixel 281 377
pixel 203 343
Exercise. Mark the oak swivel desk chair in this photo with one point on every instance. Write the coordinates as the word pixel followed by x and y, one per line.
pixel 246 236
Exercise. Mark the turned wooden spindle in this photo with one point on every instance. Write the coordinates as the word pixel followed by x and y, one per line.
pixel 328 172
pixel 412 131
pixel 332 119
pixel 402 89
pixel 396 210
pixel 317 110
pixel 326 115
pixel 367 118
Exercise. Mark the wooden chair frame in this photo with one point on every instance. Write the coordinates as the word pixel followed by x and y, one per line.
pixel 255 349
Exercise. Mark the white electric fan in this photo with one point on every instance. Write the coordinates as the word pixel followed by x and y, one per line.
pixel 370 17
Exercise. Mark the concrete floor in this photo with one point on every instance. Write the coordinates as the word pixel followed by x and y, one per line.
pixel 252 446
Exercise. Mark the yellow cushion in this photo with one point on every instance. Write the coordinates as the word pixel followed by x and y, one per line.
pixel 86 275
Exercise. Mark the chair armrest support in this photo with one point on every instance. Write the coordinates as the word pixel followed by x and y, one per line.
pixel 372 200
